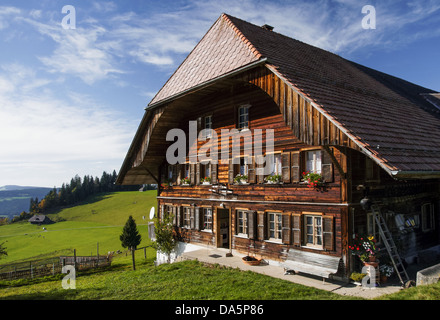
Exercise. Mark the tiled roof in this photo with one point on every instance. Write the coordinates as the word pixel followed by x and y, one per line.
pixel 222 50
pixel 386 114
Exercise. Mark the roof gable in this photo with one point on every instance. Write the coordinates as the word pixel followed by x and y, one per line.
pixel 223 49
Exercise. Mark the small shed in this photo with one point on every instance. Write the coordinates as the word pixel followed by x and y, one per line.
pixel 40 219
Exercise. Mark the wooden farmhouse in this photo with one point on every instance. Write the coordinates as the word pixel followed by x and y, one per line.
pixel 365 134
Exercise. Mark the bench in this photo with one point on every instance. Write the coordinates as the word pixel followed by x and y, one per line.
pixel 311 263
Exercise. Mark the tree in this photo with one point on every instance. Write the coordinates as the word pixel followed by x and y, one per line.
pixel 130 237
pixel 164 231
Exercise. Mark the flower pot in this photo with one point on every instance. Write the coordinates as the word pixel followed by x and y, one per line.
pixel 383 278
pixel 372 259
pixel 251 261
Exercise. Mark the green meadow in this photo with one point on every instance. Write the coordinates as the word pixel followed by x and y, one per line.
pixel 94 224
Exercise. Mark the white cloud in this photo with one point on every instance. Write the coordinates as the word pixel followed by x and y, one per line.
pixel 70 132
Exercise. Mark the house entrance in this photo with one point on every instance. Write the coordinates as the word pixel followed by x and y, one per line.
pixel 223 226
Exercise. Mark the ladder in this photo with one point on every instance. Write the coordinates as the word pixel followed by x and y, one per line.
pixel 390 246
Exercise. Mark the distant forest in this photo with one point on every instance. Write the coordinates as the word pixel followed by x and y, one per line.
pixel 76 191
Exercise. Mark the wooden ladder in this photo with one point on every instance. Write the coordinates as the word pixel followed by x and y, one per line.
pixel 387 239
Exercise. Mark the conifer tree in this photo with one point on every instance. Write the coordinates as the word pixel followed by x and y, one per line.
pixel 130 237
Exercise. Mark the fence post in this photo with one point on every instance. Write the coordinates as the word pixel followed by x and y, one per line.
pixel 145 252
pixel 74 258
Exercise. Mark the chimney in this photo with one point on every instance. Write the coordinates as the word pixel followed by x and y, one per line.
pixel 267 27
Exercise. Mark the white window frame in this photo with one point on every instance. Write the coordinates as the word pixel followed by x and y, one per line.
pixel 313 163
pixel 274 232
pixel 207 219
pixel 186 212
pixel 315 234
pixel 242 223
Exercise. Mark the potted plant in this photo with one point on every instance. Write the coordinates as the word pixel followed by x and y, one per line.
pixel 273 179
pixel 252 261
pixel 206 180
pixel 386 271
pixel 240 179
pixel 184 181
pixel 357 277
pixel 365 248
pixel 312 179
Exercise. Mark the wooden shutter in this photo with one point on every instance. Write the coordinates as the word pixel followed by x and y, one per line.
pixel 259 169
pixel 214 173
pixel 192 173
pixel 285 167
pixel 197 213
pixel 252 224
pixel 261 220
pixel 327 233
pixel 198 173
pixel 179 174
pixel 162 211
pixel 295 163
pixel 252 177
pixel 179 216
pixel 285 228
pixel 192 220
pixel 296 229
pixel 231 172
pixel 326 166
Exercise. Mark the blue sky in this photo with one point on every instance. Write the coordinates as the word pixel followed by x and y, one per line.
pixel 72 99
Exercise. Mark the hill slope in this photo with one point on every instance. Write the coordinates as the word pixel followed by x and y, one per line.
pixel 15 199
pixel 99 220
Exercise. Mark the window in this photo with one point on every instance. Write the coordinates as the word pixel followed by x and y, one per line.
pixel 274 163
pixel 242 227
pixel 313 231
pixel 207 218
pixel 243 117
pixel 186 217
pixel 208 126
pixel 428 222
pixel 274 226
pixel 371 227
pixel 205 172
pixel 313 161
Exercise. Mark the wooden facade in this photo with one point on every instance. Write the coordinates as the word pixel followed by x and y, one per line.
pixel 270 220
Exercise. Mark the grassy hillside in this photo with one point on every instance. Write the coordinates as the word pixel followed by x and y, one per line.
pixel 99 220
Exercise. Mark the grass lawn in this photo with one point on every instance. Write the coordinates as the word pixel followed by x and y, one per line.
pixel 188 280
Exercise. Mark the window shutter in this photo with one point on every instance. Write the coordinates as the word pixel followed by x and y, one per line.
pixel 327 233
pixel 295 163
pixel 198 173
pixel 213 173
pixel 192 220
pixel 296 229
pixel 173 210
pixel 261 226
pixel 251 171
pixel 326 166
pixel 197 214
pixel 260 169
pixel 252 224
pixel 179 216
pixel 285 167
pixel 179 173
pixel 162 211
pixel 174 170
pixel 192 173
pixel 285 228
pixel 231 172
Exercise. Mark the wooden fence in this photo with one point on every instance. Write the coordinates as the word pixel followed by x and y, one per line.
pixel 51 266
